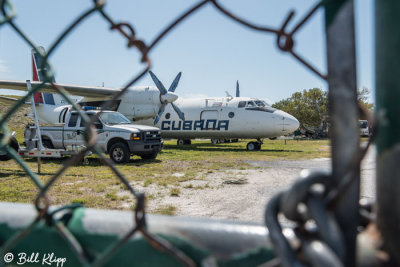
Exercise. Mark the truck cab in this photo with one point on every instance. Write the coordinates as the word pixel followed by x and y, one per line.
pixel 364 128
pixel 116 135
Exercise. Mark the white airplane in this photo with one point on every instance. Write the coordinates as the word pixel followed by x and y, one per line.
pixel 186 118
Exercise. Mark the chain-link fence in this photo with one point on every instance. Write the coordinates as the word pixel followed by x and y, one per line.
pixel 329 240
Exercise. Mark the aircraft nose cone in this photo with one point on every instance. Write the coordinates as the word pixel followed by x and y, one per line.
pixel 168 97
pixel 292 123
pixel 287 122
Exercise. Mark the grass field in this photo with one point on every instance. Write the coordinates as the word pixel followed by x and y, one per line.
pixel 175 169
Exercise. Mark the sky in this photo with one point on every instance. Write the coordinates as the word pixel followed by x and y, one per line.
pixel 210 50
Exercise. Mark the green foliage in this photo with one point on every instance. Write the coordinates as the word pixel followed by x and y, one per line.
pixel 363 97
pixel 310 107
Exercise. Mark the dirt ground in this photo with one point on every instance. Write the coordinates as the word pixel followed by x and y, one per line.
pixel 242 194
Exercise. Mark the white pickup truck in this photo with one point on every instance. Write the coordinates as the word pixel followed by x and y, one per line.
pixel 116 135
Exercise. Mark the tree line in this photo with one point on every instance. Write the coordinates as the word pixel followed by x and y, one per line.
pixel 310 107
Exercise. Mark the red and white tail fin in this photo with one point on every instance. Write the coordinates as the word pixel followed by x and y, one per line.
pixel 37 75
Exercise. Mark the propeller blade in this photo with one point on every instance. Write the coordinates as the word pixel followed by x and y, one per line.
pixel 159 114
pixel 237 89
pixel 167 96
pixel 158 83
pixel 178 111
pixel 175 83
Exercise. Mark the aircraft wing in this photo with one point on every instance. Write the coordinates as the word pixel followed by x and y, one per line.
pixel 86 91
pixel 4 99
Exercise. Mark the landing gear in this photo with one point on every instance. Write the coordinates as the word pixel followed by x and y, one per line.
pixel 254 146
pixel 181 142
pixel 221 141
pixel 214 141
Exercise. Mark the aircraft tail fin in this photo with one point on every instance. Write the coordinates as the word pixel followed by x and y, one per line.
pixel 37 75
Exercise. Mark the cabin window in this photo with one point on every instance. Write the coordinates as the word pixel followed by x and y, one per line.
pixel 231 115
pixel 73 119
pixel 48 98
pixel 242 104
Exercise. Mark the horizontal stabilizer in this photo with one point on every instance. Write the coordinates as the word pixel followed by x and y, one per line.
pixel 4 99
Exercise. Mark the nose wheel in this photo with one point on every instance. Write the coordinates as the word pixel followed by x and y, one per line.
pixel 254 146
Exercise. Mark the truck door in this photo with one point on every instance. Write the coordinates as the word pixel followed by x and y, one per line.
pixel 70 130
pixel 80 136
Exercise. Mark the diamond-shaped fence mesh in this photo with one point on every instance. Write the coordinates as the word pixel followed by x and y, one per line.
pixel 95 250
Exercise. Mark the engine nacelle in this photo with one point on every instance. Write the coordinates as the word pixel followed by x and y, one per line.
pixel 140 103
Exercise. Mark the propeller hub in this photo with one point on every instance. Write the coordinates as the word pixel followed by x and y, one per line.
pixel 168 98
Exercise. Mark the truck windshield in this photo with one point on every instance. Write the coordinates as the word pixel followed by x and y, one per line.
pixel 114 118
pixel 363 124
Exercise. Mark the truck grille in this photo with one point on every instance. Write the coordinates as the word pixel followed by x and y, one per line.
pixel 152 136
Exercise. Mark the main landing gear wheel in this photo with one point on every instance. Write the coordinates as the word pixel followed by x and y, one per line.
pixel 182 142
pixel 253 146
pixel 119 153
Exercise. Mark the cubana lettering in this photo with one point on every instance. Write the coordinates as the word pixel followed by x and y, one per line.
pixel 201 125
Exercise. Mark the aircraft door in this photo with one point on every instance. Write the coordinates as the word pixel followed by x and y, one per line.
pixel 210 118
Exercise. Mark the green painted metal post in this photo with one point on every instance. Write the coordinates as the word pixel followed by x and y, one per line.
pixel 344 114
pixel 387 62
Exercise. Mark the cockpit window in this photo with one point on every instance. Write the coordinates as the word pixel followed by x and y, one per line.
pixel 259 105
pixel 242 104
pixel 251 104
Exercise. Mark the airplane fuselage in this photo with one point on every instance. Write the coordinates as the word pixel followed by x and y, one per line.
pixel 217 118
pixel 224 118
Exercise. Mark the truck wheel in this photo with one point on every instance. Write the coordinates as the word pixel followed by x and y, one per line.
pixel 119 153
pixel 4 156
pixel 149 156
pixel 13 143
pixel 47 144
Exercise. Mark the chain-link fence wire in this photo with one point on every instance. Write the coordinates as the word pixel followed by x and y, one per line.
pixel 285 42
pixel 310 203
